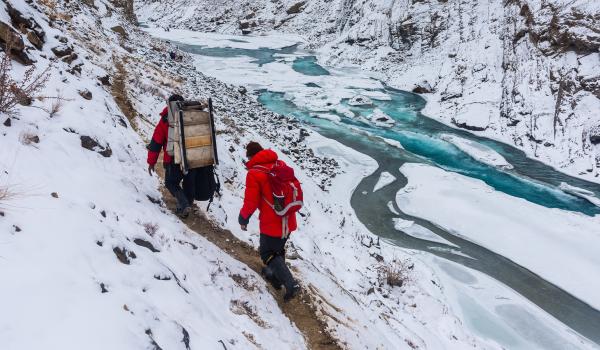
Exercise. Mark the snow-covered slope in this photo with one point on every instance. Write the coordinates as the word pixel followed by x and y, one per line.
pixel 91 258
pixel 525 72
pixel 88 260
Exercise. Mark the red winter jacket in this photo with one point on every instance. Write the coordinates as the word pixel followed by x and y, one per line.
pixel 159 140
pixel 258 191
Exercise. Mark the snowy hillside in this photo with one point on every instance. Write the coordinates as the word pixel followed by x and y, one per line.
pixel 88 260
pixel 525 72
pixel 93 258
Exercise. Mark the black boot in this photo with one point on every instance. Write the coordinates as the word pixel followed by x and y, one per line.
pixel 269 275
pixel 284 275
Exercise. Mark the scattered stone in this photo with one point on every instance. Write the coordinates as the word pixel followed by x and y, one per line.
pixel 87 94
pixel 17 228
pixel 9 38
pixel 243 24
pixel 145 244
pixel 103 288
pixel 29 139
pixel 75 69
pixel 162 278
pixel 295 8
pixel 70 58
pixel 62 50
pixel 99 243
pixel 119 30
pixel 7 122
pixel 23 24
pixel 152 199
pixel 360 100
pixel 1 213
pixel 93 145
pixel 186 338
pixel 35 40
pixel 105 80
pixel 464 125
pixel 54 194
pixel 123 255
pixel 122 121
pixel 595 135
pixel 479 67
pixel 423 88
pixel 103 213
pixel 25 100
pixel 18 20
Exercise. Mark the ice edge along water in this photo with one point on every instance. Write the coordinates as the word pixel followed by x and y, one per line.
pixel 233 81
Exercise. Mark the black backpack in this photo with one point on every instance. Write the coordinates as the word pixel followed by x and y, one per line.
pixel 202 184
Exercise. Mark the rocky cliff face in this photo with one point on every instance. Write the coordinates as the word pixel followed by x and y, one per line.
pixel 526 72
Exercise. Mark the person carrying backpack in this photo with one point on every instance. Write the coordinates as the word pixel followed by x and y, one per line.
pixel 173 173
pixel 272 188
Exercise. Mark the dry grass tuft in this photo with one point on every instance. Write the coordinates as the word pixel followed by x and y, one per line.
pixel 395 273
pixel 150 228
pixel 23 92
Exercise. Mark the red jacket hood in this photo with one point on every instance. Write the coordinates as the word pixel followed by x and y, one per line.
pixel 164 112
pixel 266 156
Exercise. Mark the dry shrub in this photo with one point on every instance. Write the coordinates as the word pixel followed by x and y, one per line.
pixel 395 273
pixel 12 92
pixel 56 105
pixel 5 194
pixel 150 228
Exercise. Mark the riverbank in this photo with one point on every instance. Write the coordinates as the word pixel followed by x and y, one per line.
pixel 350 242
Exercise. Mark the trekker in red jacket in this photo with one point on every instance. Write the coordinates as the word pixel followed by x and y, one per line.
pixel 173 173
pixel 274 230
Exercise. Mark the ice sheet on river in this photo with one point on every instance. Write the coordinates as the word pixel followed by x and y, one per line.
pixel 384 179
pixel 250 42
pixel 418 231
pixel 558 245
pixel 478 151
pixel 580 192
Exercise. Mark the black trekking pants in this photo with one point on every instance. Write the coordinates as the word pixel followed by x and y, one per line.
pixel 173 177
pixel 271 247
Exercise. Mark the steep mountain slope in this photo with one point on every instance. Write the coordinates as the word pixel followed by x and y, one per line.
pixel 88 256
pixel 525 72
pixel 92 258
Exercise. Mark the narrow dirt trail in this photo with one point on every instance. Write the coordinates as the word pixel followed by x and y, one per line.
pixel 299 310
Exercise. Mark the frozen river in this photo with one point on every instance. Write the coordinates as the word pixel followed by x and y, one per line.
pixel 474 206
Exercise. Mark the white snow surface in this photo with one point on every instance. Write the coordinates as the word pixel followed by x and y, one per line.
pixel 418 231
pixel 271 41
pixel 580 192
pixel 478 151
pixel 65 287
pixel 523 72
pixel 59 252
pixel 333 219
pixel 384 179
pixel 338 229
pixel 559 246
